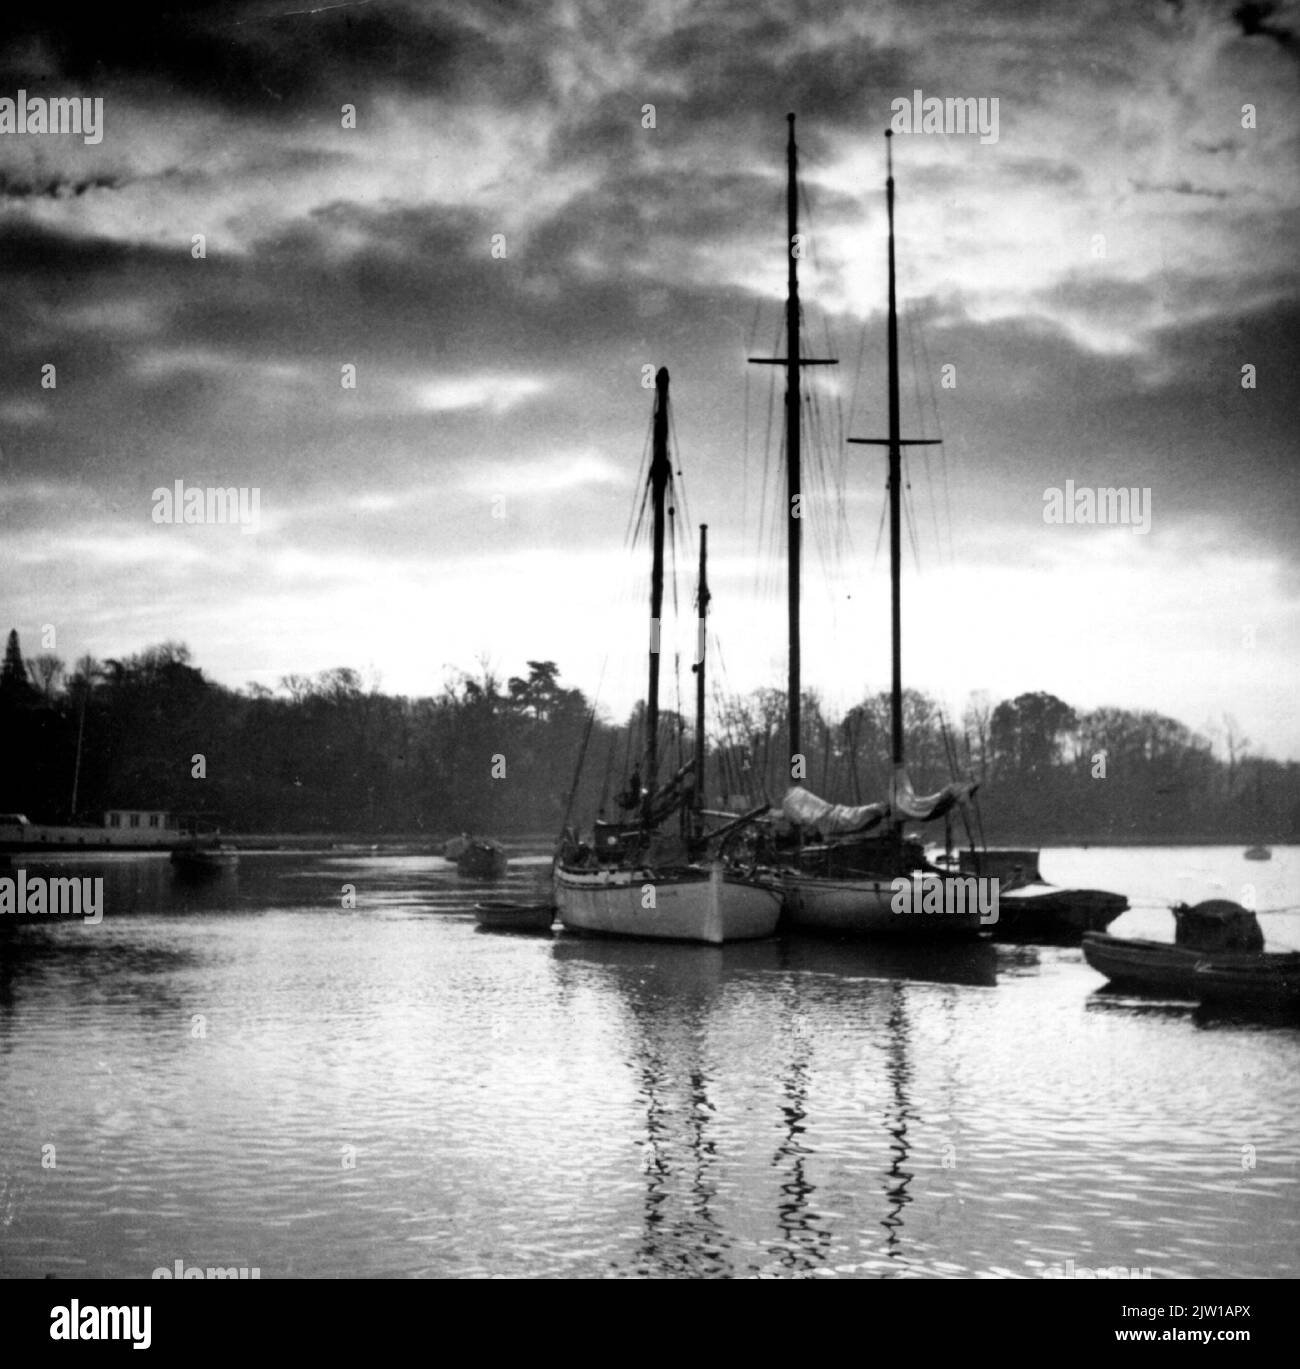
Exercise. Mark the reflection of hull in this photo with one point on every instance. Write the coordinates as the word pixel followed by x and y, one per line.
pixel 683 966
pixel 693 904
pixel 862 907
pixel 1222 976
pixel 1042 912
pixel 203 864
pixel 680 968
pixel 959 960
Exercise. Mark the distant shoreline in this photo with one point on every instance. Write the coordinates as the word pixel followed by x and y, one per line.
pixel 417 843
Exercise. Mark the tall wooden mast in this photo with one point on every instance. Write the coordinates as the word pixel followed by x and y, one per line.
pixel 660 473
pixel 895 442
pixel 702 597
pixel 792 361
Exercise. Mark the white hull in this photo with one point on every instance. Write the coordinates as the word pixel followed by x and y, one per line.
pixel 862 907
pixel 711 906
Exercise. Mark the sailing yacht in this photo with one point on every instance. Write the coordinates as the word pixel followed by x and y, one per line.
pixel 636 878
pixel 847 866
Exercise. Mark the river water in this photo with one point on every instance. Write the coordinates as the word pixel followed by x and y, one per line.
pixel 252 1074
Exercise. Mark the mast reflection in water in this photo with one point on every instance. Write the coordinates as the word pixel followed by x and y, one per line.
pixel 666 993
pixel 899 1076
pixel 555 1107
pixel 687 1015
pixel 805 1244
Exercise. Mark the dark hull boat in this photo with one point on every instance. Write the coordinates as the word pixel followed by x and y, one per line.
pixel 1030 909
pixel 1042 912
pixel 1227 965
pixel 1258 853
pixel 476 858
pixel 502 916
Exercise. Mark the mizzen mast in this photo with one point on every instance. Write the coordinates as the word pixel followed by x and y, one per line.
pixel 895 442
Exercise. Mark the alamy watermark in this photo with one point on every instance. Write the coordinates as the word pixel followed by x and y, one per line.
pixel 38 896
pixel 1073 1271
pixel 181 1270
pixel 194 504
pixel 1124 507
pixel 930 114
pixel 72 1321
pixel 946 894
pixel 35 114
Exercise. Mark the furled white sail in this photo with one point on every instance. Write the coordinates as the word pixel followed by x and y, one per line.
pixel 805 809
pixel 905 802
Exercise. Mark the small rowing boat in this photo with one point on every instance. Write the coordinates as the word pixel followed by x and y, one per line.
pixel 502 916
pixel 1217 956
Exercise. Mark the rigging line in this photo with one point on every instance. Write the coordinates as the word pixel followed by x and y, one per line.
pixel 817 487
pixel 826 514
pixel 880 531
pixel 677 685
pixel 610 757
pixel 764 506
pixel 949 753
pixel 916 379
pixel 834 432
pixel 725 722
pixel 838 457
pixel 830 549
pixel 925 451
pixel 806 232
pixel 839 470
pixel 673 537
pixel 744 470
pixel 777 531
pixel 678 488
pixel 908 512
pixel 839 397
pixel 774 527
pixel 637 515
pixel 744 459
pixel 727 706
pixel 582 750
pixel 858 370
pixel 943 446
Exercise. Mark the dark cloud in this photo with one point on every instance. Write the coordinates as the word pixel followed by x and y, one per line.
pixel 258 57
pixel 1254 18
pixel 628 248
pixel 1031 403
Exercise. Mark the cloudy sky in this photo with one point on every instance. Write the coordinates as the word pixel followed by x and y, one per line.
pixel 1098 277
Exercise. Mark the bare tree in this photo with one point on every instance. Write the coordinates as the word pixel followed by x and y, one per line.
pixel 45 671
pixel 1235 744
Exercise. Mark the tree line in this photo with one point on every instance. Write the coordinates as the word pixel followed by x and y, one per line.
pixel 331 754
